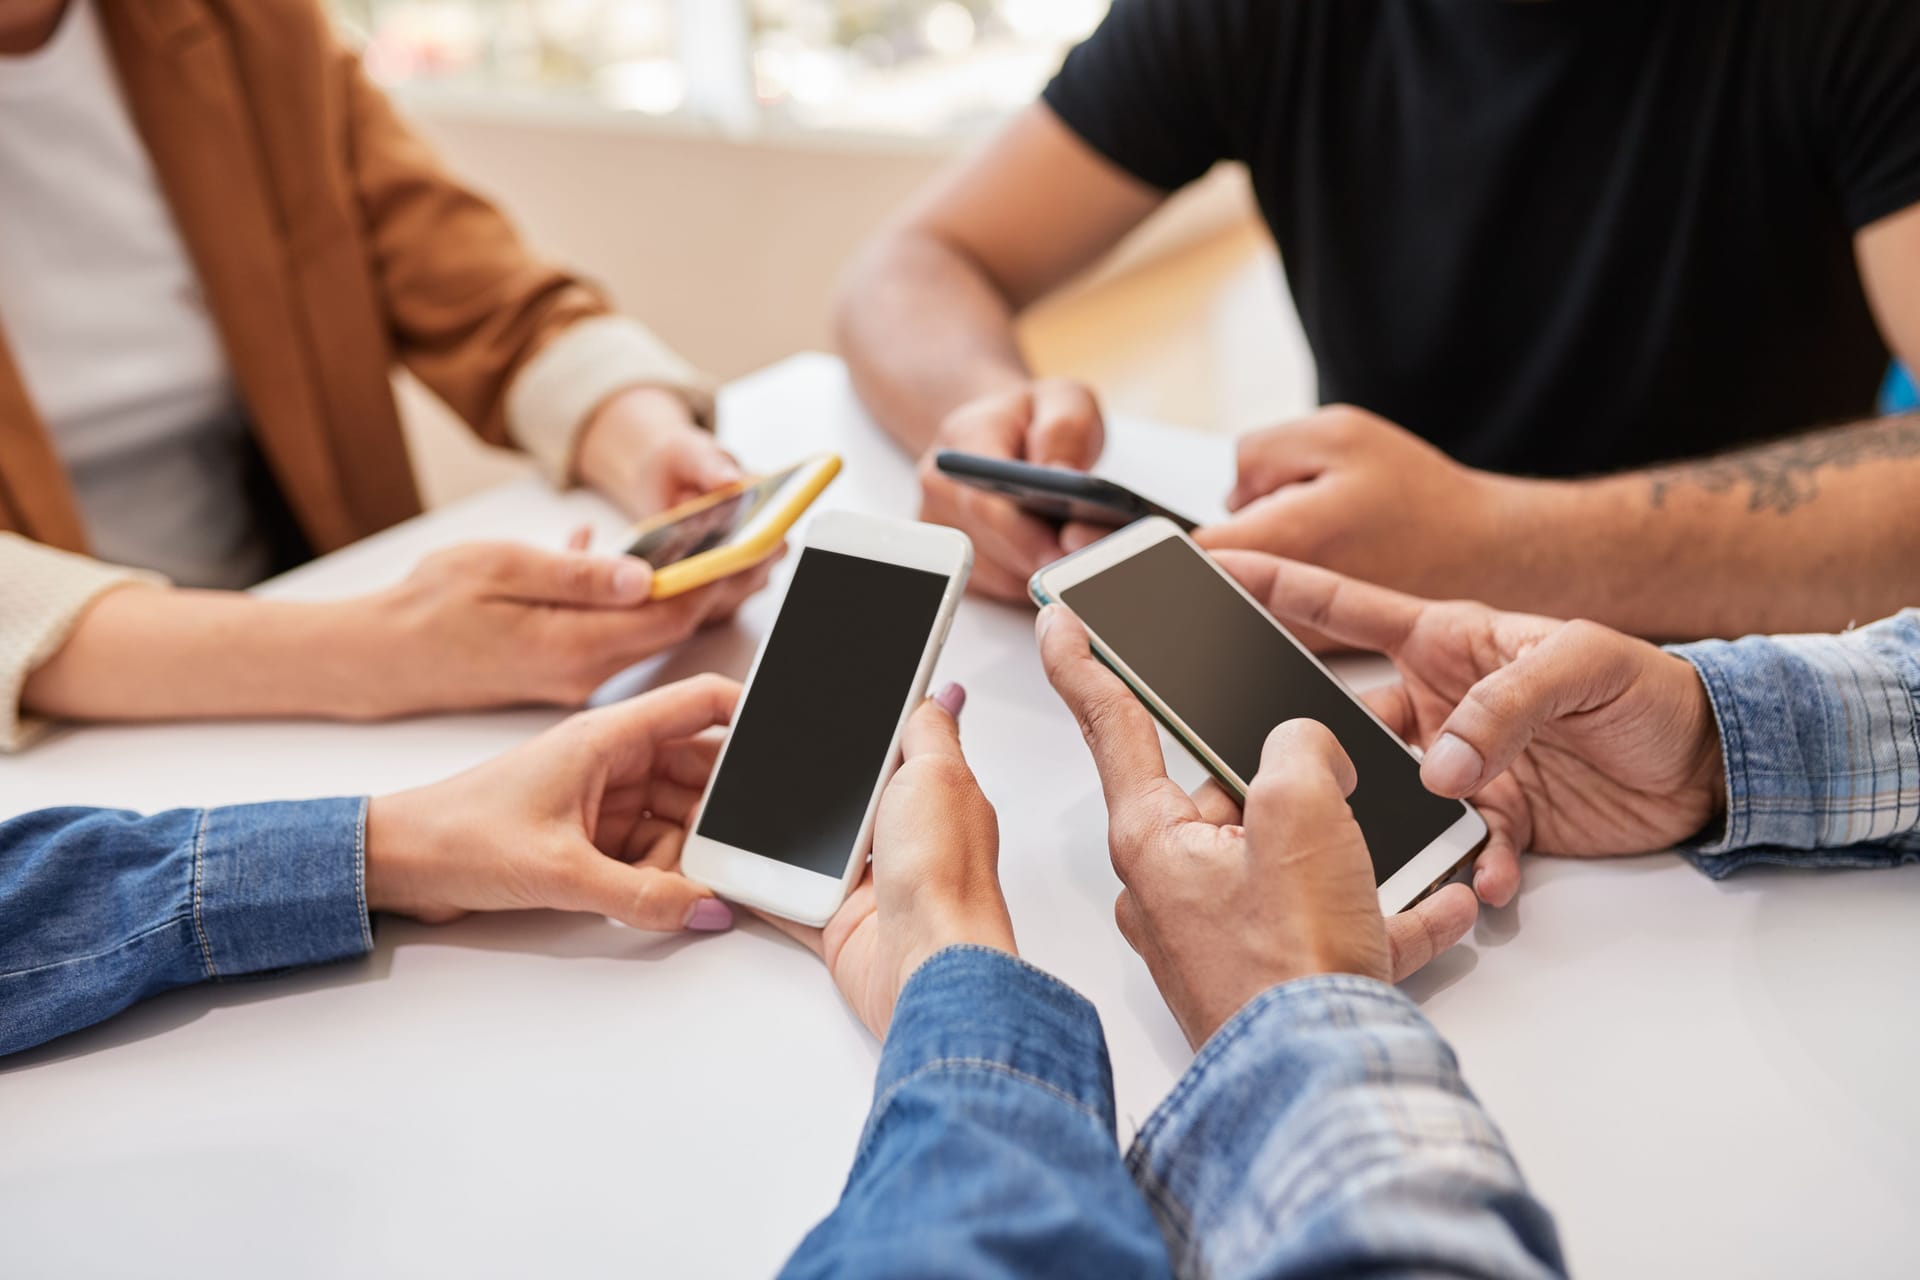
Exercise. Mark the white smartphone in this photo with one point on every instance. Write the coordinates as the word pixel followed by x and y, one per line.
pixel 787 819
pixel 1219 672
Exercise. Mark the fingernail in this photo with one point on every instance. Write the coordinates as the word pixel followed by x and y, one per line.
pixel 709 915
pixel 1452 766
pixel 952 698
pixel 632 581
pixel 1045 624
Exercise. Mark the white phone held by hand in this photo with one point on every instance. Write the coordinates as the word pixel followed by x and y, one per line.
pixel 787 819
pixel 1221 674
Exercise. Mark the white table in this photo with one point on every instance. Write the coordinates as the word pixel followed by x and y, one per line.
pixel 1699 1079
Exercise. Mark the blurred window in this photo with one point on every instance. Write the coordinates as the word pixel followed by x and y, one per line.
pixel 876 66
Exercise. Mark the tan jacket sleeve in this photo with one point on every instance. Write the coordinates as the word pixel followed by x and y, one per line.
pixel 43 592
pixel 521 350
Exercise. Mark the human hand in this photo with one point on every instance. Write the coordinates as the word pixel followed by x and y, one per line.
pixel 1570 738
pixel 934 881
pixel 1353 492
pixel 643 450
pixel 498 624
pixel 1222 905
pixel 1053 422
pixel 589 816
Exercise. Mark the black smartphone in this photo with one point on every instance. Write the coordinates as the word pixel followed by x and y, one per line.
pixel 1055 493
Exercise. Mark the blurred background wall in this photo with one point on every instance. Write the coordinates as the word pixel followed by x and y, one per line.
pixel 714 162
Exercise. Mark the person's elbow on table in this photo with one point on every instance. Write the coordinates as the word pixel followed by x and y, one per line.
pixel 588 817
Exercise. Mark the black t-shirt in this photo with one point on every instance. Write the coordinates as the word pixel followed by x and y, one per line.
pixel 1556 237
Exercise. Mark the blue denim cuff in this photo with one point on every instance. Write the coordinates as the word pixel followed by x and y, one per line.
pixel 276 886
pixel 975 1009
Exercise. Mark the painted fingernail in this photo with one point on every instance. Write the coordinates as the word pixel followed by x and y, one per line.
pixel 952 699
pixel 709 915
pixel 632 581
pixel 1452 766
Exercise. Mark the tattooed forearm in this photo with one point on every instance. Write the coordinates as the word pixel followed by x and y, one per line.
pixel 1784 476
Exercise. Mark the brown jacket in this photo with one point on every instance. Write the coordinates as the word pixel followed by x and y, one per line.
pixel 330 246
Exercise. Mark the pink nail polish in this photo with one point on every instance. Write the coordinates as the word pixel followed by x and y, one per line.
pixel 952 698
pixel 710 915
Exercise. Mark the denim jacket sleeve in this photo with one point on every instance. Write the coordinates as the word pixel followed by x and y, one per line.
pixel 1822 742
pixel 990 1150
pixel 1325 1130
pixel 100 909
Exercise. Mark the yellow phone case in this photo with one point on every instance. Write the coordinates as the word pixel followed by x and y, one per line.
pixel 732 557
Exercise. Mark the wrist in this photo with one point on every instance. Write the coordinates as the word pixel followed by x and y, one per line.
pixel 403 835
pixel 989 928
pixel 1706 775
pixel 613 449
pixel 362 653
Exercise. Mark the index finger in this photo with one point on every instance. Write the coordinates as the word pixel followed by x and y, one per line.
pixel 1006 533
pixel 1346 610
pixel 631 731
pixel 1118 730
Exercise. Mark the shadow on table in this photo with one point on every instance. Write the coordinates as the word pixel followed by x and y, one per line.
pixel 175 1009
pixel 1497 927
pixel 727 648
pixel 550 934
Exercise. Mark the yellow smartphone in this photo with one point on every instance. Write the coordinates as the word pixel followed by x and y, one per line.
pixel 730 529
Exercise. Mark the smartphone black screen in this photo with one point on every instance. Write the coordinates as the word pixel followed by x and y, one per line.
pixel 814 728
pixel 1224 669
pixel 710 526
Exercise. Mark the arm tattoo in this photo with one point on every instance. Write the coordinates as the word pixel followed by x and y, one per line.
pixel 1784 476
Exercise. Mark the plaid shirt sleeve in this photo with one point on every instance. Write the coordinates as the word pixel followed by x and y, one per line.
pixel 1325 1131
pixel 1822 742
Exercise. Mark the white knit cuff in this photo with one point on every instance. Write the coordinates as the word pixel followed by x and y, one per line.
pixel 553 398
pixel 43 593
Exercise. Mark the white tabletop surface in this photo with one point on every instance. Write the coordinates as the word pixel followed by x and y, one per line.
pixel 1699 1079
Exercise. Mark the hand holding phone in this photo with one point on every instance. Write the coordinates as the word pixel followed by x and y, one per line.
pixel 1048 420
pixel 1576 739
pixel 729 529
pixel 934 879
pixel 1220 674
pixel 789 811
pixel 1223 904
pixel 1055 493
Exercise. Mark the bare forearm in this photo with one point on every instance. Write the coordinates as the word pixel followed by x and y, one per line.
pixel 154 654
pixel 1809 534
pixel 924 331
